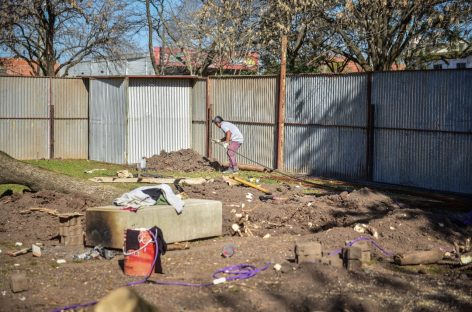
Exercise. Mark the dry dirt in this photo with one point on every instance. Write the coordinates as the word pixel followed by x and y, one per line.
pixel 404 223
pixel 185 160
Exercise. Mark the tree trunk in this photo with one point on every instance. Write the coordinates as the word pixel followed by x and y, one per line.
pixel 13 171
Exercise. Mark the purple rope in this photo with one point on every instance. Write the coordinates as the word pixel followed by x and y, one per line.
pixel 239 271
pixel 363 238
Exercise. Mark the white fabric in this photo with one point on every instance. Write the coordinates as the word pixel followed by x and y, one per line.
pixel 236 135
pixel 137 198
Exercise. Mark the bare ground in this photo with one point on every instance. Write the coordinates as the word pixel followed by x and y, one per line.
pixel 405 223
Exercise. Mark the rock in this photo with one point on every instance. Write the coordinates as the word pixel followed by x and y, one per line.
pixel 266 236
pixel 36 250
pixel 61 261
pixel 124 299
pixel 277 267
pixel 18 282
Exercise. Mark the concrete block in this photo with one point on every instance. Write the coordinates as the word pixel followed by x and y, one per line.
pixel 18 282
pixel 353 265
pixel 308 248
pixel 71 230
pixel 352 253
pixel 335 261
pixel 199 219
pixel 307 259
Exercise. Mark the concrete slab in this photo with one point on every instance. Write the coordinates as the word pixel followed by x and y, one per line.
pixel 199 219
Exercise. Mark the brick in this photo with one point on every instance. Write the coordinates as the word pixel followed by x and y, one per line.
pixel 353 265
pixel 352 253
pixel 77 240
pixel 18 282
pixel 307 259
pixel 308 248
pixel 366 256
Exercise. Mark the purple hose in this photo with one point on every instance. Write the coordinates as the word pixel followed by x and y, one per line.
pixel 235 272
pixel 363 238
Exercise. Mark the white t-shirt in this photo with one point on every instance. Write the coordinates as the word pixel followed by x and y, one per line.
pixel 236 135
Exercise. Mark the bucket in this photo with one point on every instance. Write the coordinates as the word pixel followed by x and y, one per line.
pixel 138 262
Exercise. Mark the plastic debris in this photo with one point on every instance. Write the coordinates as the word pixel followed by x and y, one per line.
pixel 18 244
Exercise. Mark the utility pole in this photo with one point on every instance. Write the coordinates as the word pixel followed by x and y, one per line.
pixel 281 104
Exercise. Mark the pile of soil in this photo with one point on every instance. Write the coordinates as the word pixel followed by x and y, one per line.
pixel 186 160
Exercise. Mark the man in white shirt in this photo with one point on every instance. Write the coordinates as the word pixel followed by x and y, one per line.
pixel 232 141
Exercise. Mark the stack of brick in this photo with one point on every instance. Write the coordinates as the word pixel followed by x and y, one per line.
pixel 70 230
pixel 308 252
pixel 357 256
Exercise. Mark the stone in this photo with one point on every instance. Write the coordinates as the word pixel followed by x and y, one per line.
pixel 308 248
pixel 307 259
pixel 36 250
pixel 352 253
pixel 18 281
pixel 335 261
pixel 124 299
pixel 199 219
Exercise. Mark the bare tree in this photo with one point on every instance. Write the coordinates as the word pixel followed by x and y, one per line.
pixel 54 35
pixel 376 34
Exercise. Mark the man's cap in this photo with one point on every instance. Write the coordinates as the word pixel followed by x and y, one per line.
pixel 217 119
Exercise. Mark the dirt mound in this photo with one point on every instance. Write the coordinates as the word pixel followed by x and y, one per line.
pixel 186 160
pixel 36 226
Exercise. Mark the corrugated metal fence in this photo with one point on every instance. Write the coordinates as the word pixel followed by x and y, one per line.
pixel 250 103
pixel 406 128
pixel 40 117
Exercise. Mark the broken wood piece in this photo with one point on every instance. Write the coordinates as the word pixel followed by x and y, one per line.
pixel 188 181
pixel 419 257
pixel 53 212
pixel 19 252
pixel 178 246
pixel 257 187
pixel 230 181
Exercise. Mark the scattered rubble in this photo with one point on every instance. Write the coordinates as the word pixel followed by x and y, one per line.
pixel 186 160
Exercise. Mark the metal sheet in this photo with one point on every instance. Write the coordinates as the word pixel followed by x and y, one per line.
pixel 434 100
pixel 438 161
pixel 245 99
pixel 159 116
pixel 107 139
pixel 24 97
pixel 24 139
pixel 259 144
pixel 71 139
pixel 325 151
pixel 327 100
pixel 199 116
pixel 70 98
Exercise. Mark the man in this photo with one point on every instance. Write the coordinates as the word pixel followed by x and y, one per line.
pixel 232 141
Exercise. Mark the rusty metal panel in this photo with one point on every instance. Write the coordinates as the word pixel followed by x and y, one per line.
pixel 70 100
pixel 423 129
pixel 24 139
pixel 325 131
pixel 24 131
pixel 107 139
pixel 199 116
pixel 430 100
pixel 250 103
pixel 249 99
pixel 325 151
pixel 432 160
pixel 259 144
pixel 159 116
pixel 338 100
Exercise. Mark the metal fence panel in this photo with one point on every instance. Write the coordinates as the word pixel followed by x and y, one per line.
pixel 430 100
pixel 438 161
pixel 24 113
pixel 159 116
pixel 107 139
pixel 199 116
pixel 325 132
pixel 322 151
pixel 250 103
pixel 70 100
pixel 423 129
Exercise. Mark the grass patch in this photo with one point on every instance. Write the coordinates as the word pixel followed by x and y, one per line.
pixel 16 188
